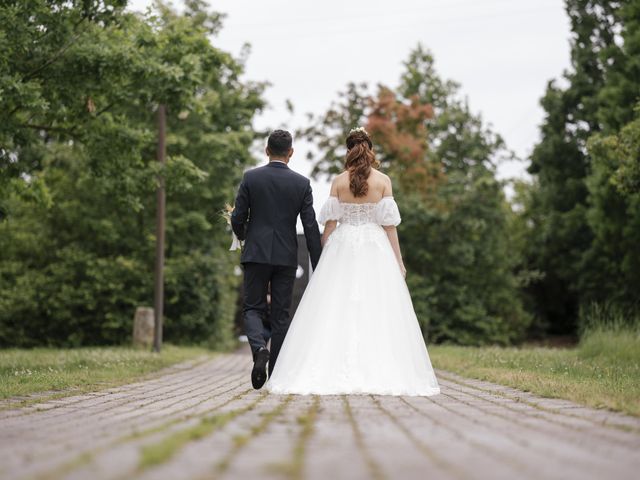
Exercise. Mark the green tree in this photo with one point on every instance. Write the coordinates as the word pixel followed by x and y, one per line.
pixel 73 269
pixel 601 89
pixel 620 57
pixel 468 264
pixel 612 262
pixel 67 69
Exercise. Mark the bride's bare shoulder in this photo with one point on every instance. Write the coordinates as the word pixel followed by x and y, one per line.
pixel 338 182
pixel 381 178
pixel 379 175
pixel 342 177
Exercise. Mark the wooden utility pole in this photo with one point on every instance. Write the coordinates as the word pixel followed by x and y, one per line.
pixel 158 292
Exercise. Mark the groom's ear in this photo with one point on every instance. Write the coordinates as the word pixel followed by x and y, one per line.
pixel 290 154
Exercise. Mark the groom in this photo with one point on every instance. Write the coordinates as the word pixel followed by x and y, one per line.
pixel 268 203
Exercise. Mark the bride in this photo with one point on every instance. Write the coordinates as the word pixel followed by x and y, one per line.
pixel 355 330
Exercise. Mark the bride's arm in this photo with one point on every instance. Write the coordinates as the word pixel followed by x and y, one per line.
pixel 329 227
pixel 392 233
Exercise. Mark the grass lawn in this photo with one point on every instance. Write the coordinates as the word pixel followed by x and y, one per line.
pixel 60 372
pixel 603 371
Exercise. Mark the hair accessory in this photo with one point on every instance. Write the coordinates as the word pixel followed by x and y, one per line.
pixel 358 129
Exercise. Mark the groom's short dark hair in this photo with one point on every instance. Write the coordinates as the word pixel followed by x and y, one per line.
pixel 279 143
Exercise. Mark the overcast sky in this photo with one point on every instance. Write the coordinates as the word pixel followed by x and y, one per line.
pixel 502 52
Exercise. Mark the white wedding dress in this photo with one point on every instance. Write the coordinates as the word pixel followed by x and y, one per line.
pixel 355 330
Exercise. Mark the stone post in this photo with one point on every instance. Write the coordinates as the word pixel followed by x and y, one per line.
pixel 143 327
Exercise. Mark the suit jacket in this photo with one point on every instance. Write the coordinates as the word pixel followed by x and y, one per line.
pixel 268 203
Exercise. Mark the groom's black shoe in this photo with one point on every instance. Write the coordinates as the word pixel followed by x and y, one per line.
pixel 259 372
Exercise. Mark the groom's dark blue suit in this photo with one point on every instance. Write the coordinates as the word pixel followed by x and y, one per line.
pixel 268 203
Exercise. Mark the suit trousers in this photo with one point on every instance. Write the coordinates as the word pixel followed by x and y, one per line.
pixel 259 279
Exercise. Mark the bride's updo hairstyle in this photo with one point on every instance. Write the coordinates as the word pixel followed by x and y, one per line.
pixel 360 159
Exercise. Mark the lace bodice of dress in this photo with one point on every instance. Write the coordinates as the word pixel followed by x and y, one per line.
pixel 358 213
pixel 385 212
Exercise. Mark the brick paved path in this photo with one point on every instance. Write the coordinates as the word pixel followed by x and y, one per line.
pixel 220 428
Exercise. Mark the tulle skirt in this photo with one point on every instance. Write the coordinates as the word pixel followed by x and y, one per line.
pixel 355 330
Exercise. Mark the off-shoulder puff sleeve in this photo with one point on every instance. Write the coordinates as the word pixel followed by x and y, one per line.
pixel 387 212
pixel 330 210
